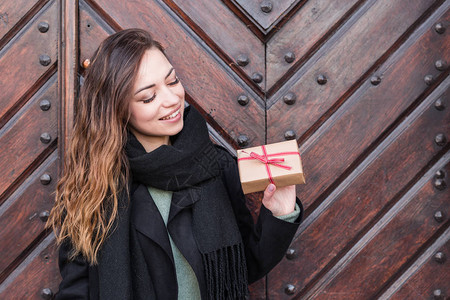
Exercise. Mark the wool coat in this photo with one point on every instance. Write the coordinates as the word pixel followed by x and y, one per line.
pixel 140 237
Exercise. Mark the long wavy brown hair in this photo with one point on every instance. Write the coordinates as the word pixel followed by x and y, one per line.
pixel 95 166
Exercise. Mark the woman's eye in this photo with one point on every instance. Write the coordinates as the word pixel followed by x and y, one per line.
pixel 175 82
pixel 149 99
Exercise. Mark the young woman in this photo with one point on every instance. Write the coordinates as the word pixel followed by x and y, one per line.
pixel 148 206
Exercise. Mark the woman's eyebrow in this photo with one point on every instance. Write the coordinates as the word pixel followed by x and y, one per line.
pixel 152 85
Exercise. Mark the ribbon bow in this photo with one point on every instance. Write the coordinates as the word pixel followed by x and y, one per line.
pixel 265 160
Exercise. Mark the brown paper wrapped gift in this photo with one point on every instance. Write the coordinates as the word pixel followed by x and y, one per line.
pixel 278 163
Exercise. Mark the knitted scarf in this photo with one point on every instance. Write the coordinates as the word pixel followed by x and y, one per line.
pixel 190 166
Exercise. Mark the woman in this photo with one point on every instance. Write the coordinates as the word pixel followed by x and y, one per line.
pixel 148 207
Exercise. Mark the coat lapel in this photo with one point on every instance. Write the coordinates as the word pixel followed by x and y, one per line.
pixel 146 218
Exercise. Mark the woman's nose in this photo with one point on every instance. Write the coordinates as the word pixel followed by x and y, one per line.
pixel 169 97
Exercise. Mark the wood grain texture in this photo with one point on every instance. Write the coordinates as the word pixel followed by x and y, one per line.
pixel 212 89
pixel 346 61
pixel 371 110
pixel 419 285
pixel 389 171
pixel 316 18
pixel 20 223
pixel 20 138
pixel 11 12
pixel 39 271
pixel 19 60
pixel 227 32
pixel 394 246
pixel 263 19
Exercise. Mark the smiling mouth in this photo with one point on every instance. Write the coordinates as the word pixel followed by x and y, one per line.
pixel 171 116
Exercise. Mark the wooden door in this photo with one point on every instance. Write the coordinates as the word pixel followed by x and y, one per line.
pixel 362 86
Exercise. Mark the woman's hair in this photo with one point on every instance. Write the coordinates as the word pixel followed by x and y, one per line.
pixel 95 166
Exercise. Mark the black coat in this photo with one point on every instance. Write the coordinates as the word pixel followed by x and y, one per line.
pixel 139 239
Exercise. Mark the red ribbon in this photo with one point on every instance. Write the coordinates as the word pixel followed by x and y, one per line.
pixel 265 160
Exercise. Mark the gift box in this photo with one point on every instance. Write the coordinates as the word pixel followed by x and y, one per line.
pixel 277 163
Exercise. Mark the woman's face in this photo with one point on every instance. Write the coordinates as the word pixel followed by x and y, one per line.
pixel 157 104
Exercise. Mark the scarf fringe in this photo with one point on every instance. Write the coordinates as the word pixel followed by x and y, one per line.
pixel 226 273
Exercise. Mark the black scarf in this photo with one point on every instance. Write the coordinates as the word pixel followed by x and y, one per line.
pixel 189 166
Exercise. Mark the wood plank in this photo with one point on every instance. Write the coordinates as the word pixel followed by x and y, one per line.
pixel 231 37
pixel 419 285
pixel 92 30
pixel 20 138
pixel 38 272
pixel 11 12
pixel 394 246
pixel 343 64
pixel 19 60
pixel 311 24
pixel 265 19
pixel 371 110
pixel 20 223
pixel 372 188
pixel 212 87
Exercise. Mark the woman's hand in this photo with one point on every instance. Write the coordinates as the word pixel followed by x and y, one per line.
pixel 280 201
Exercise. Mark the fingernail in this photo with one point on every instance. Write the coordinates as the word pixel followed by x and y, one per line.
pixel 271 187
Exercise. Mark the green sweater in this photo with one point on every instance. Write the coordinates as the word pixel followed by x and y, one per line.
pixel 188 288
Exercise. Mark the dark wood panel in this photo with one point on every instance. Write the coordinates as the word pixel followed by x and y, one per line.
pixel 387 172
pixel 419 285
pixel 11 12
pixel 19 60
pixel 38 272
pixel 316 19
pixel 371 110
pixel 210 87
pixel 343 65
pixel 20 221
pixel 20 138
pixel 394 246
pixel 230 35
pixel 265 18
pixel 92 30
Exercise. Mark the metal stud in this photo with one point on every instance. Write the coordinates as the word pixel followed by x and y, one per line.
pixel 437 294
pixel 289 98
pixel 439 216
pixel 242 140
pixel 439 27
pixel 289 57
pixel 242 60
pixel 46 293
pixel 291 254
pixel 440 139
pixel 242 100
pixel 321 79
pixel 289 135
pixel 289 289
pixel 45 179
pixel 43 27
pixel 43 215
pixel 44 59
pixel 257 77
pixel 441 65
pixel 375 80
pixel 440 184
pixel 439 257
pixel 428 79
pixel 86 63
pixel 439 174
pixel 266 6
pixel 45 138
pixel 45 105
pixel 439 104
